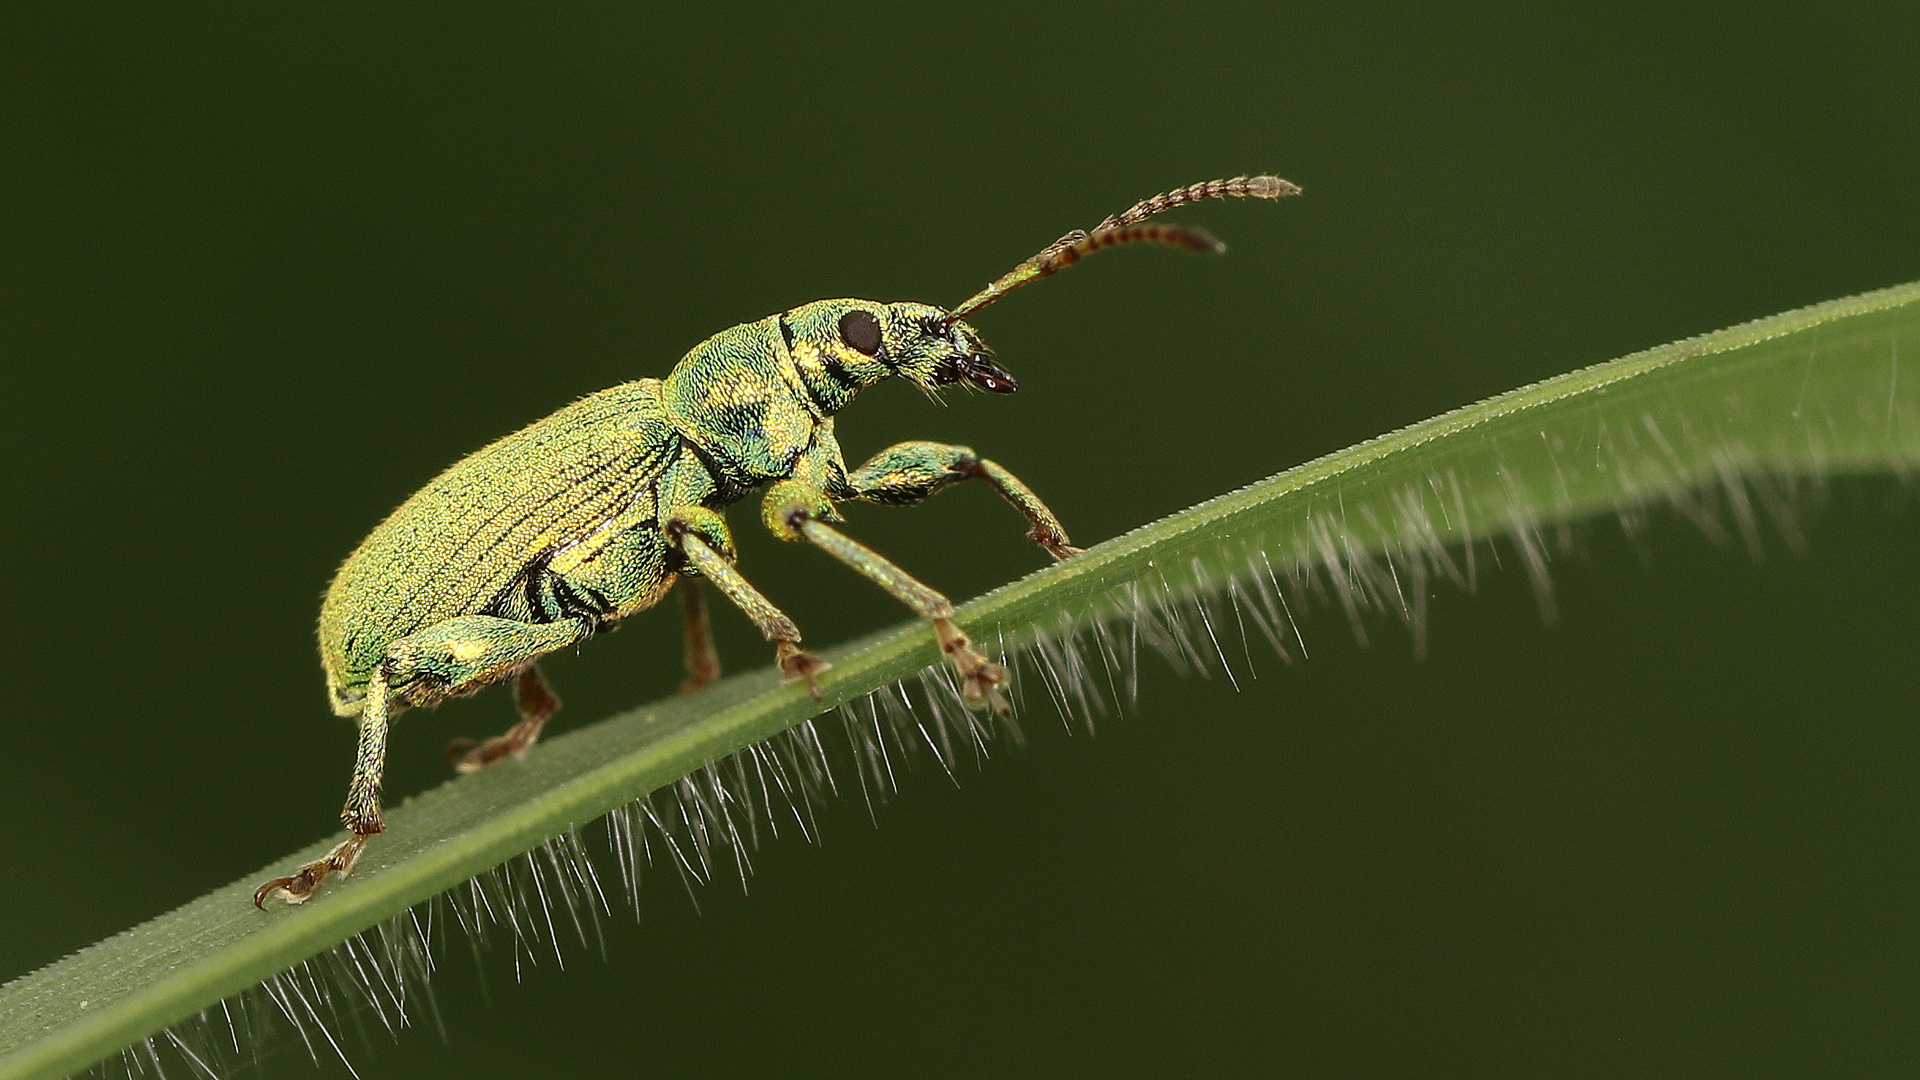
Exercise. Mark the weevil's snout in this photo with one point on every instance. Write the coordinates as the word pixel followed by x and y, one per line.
pixel 971 361
pixel 981 371
pixel 935 350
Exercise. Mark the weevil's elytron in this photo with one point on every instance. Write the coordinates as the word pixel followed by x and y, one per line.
pixel 581 519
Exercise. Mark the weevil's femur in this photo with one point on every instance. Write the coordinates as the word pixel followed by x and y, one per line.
pixel 1126 228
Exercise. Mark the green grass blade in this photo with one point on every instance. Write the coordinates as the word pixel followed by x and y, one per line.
pixel 1722 427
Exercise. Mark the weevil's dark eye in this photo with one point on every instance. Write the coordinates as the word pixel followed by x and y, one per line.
pixel 861 331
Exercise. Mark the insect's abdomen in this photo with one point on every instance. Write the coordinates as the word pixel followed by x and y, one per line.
pixel 453 547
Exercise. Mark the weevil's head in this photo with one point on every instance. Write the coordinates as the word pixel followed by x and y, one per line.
pixel 933 349
pixel 840 346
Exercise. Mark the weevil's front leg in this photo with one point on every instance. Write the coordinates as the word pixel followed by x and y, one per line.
pixel 537 703
pixel 795 510
pixel 909 472
pixel 703 658
pixel 447 659
pixel 702 536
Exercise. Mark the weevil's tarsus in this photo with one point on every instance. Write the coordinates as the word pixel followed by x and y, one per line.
pixel 799 665
pixel 298 888
pixel 537 703
pixel 1125 228
pixel 981 680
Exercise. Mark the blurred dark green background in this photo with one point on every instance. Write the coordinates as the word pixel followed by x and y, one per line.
pixel 266 268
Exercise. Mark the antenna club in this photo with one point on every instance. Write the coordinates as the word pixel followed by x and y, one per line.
pixel 1271 187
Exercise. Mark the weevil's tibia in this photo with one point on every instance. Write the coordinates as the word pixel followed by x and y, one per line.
pixel 702 656
pixel 701 535
pixel 361 814
pixel 793 511
pixel 537 703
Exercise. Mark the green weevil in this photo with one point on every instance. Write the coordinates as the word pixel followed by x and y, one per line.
pixel 577 521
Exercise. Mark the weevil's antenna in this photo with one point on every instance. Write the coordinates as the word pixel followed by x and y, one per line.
pixel 1125 228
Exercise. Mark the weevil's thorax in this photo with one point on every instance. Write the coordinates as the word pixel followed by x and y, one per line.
pixel 736 399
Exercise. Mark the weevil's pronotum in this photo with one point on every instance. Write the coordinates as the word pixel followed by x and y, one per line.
pixel 592 514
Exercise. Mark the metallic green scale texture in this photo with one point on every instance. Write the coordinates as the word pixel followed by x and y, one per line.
pixel 594 513
pixel 476 540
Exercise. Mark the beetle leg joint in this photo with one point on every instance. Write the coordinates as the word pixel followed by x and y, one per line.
pixel 797 664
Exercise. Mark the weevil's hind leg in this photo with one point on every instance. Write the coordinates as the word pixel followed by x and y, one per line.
pixel 909 472
pixel 446 659
pixel 466 653
pixel 703 657
pixel 362 812
pixel 794 511
pixel 537 703
pixel 703 538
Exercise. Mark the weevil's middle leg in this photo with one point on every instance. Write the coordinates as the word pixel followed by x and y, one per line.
pixel 794 511
pixel 703 657
pixel 702 536
pixel 537 703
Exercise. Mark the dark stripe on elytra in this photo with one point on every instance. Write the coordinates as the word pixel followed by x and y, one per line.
pixel 600 601
pixel 628 465
pixel 566 599
pixel 522 592
pixel 586 496
pixel 460 556
pixel 606 463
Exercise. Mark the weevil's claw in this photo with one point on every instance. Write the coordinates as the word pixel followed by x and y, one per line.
pixel 980 678
pixel 298 888
pixel 797 663
pixel 1054 542
pixel 294 889
pixel 468 756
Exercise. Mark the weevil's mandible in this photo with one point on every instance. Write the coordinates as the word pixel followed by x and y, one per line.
pixel 594 513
